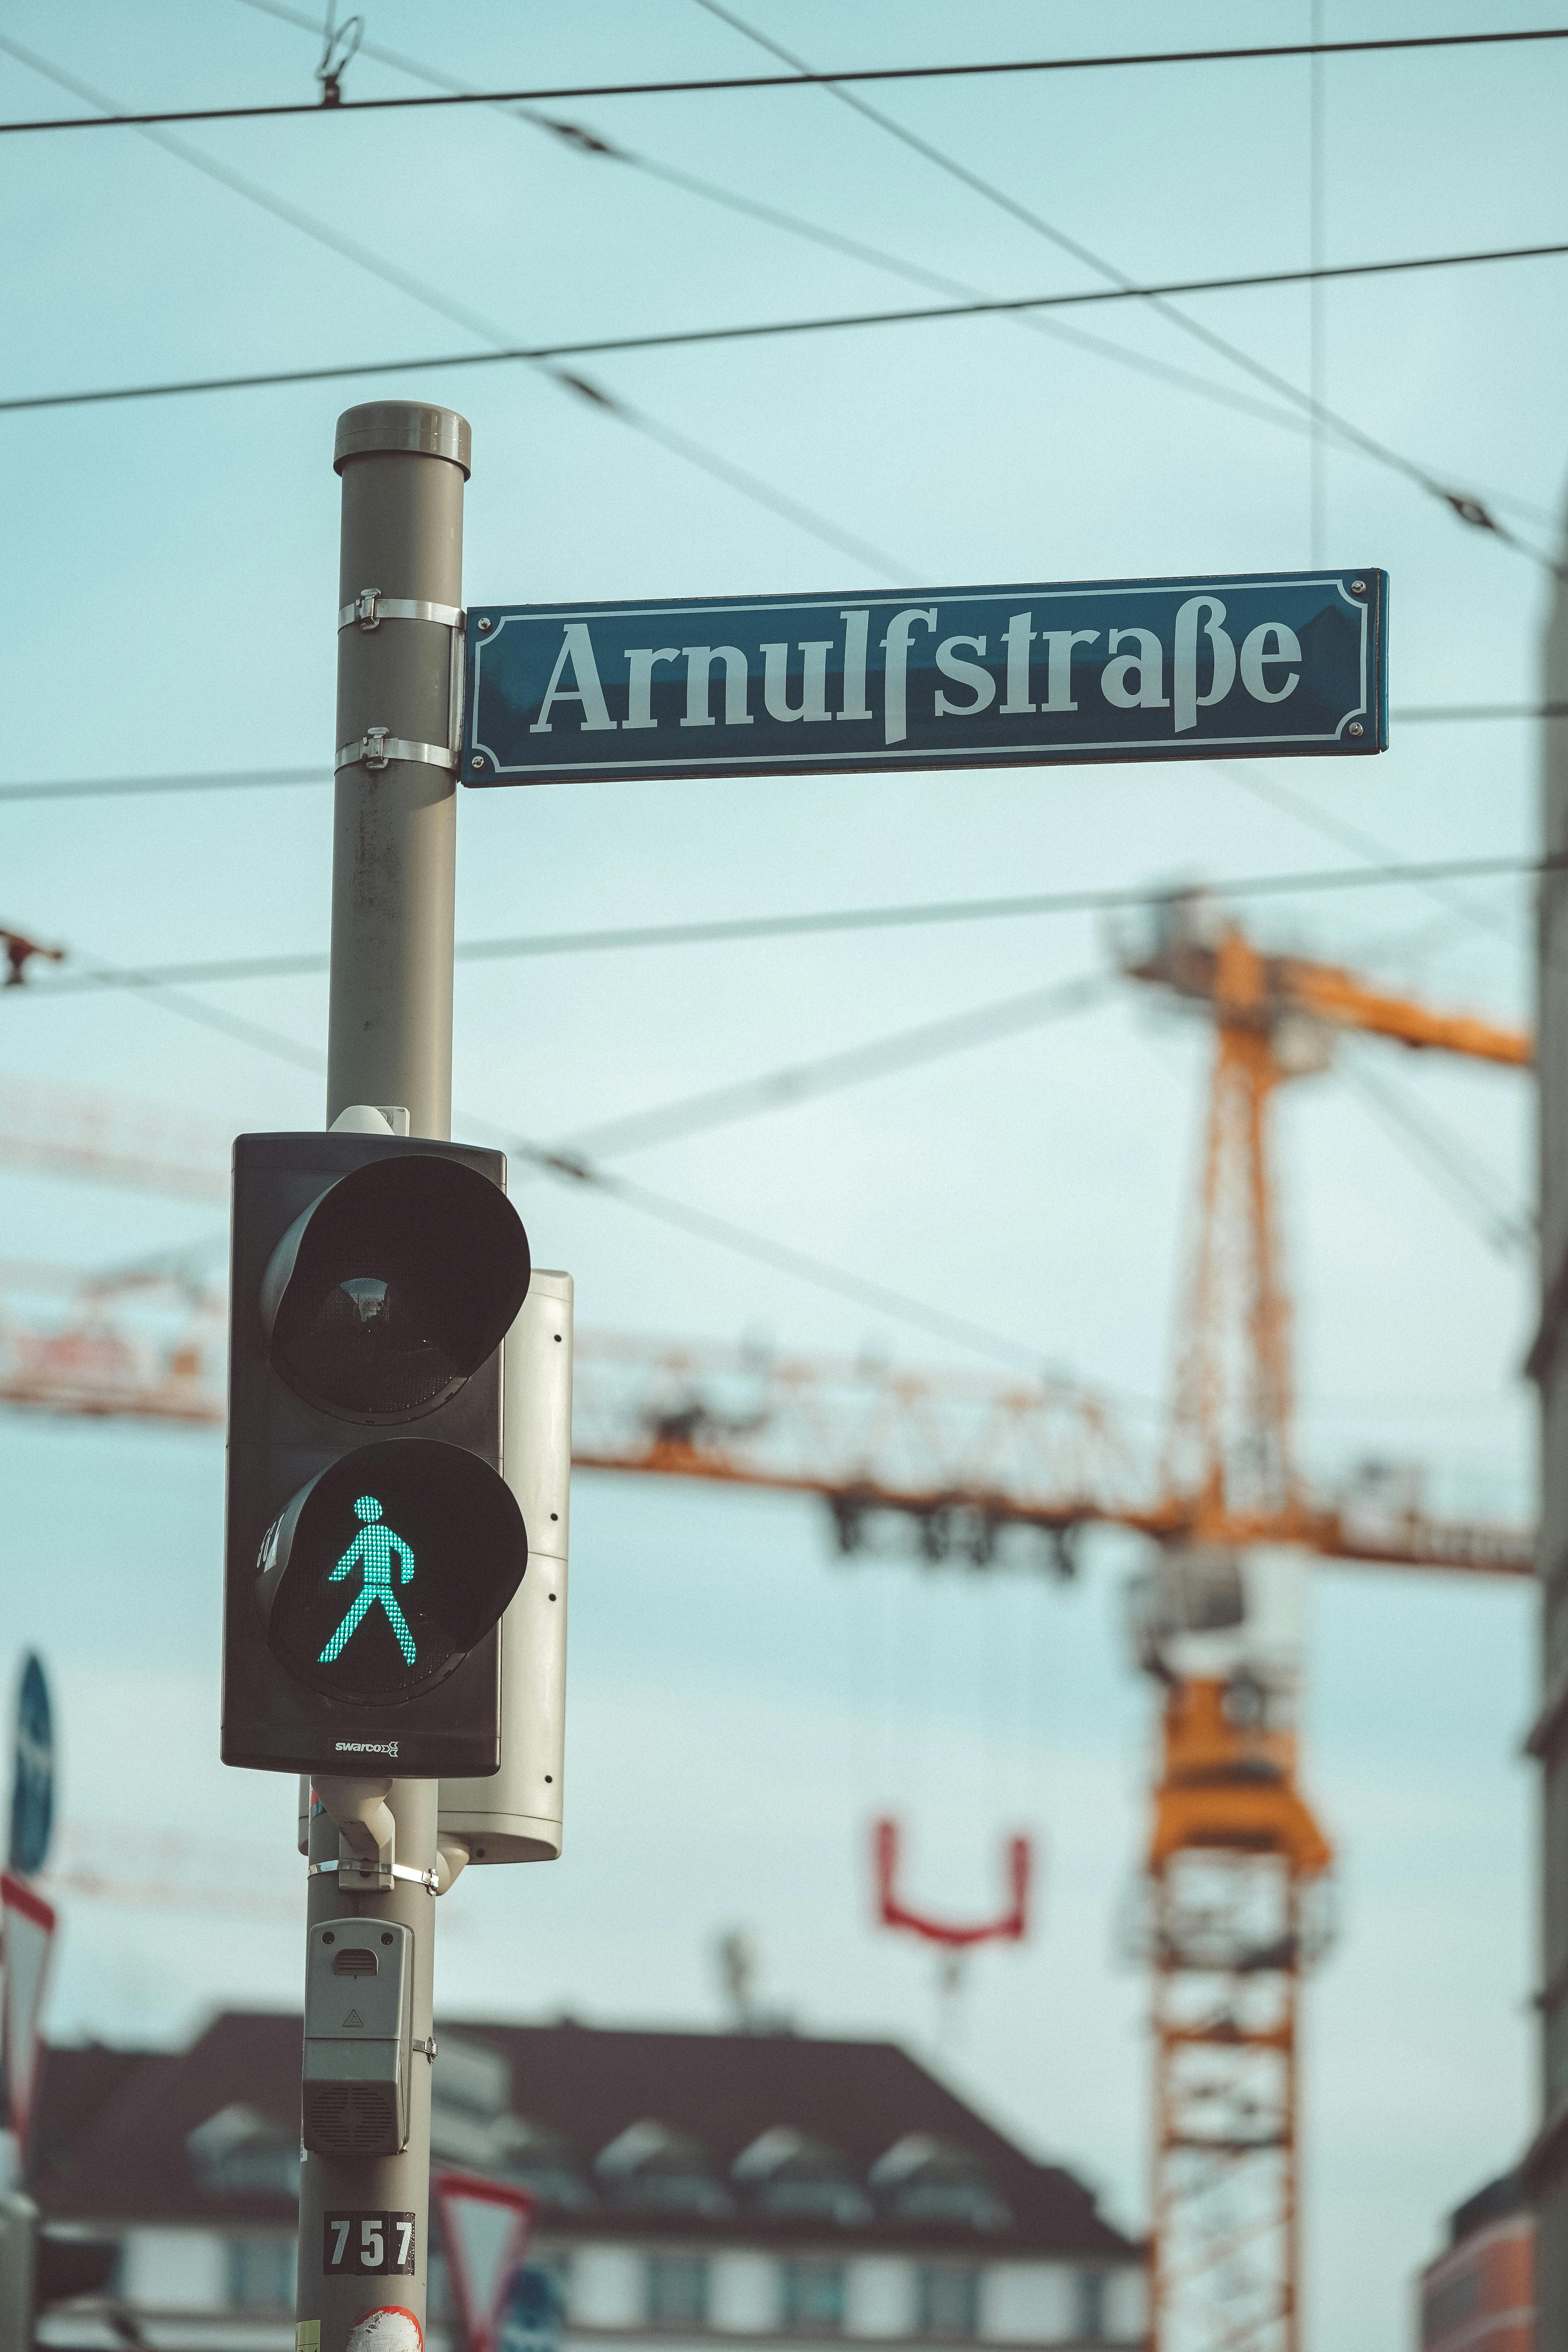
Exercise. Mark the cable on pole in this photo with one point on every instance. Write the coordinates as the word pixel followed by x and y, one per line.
pixel 697 86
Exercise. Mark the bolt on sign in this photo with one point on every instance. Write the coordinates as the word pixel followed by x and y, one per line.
pixel 932 678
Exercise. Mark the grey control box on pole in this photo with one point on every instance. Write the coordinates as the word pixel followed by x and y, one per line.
pixel 359 2028
pixel 516 1815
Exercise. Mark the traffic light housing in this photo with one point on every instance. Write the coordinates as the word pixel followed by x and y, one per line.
pixel 372 1542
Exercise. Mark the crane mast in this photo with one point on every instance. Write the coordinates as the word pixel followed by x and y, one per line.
pixel 1237 1869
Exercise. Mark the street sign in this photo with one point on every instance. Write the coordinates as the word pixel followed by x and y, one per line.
pixel 485 2228
pixel 31 1773
pixel 933 678
pixel 26 1940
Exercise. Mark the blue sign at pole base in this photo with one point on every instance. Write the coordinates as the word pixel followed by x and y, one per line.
pixel 1258 664
pixel 31 1773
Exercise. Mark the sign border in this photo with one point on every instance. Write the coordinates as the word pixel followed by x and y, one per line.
pixel 1373 708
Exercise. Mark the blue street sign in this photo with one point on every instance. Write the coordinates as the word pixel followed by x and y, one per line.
pixel 533 2315
pixel 31 1773
pixel 930 678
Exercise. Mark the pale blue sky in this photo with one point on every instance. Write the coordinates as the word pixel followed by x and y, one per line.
pixel 172 571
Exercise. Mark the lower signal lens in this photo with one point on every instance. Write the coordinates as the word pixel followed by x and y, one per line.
pixel 388 1568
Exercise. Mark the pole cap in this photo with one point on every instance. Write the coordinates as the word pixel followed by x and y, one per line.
pixel 410 425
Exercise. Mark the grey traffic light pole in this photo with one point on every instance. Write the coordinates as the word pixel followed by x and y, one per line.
pixel 403 466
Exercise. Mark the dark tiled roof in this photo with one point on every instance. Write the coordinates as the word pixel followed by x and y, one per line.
pixel 1508 2194
pixel 74 2085
pixel 727 2089
pixel 128 2160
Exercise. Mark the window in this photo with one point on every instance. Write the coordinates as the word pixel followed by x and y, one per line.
pixel 949 2299
pixel 650 2166
pixel 934 2181
pixel 1091 2286
pixel 677 2291
pixel 237 2152
pixel 1449 2305
pixel 261 2273
pixel 813 2295
pixel 786 2172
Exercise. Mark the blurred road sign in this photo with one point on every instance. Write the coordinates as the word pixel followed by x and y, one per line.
pixel 930 678
pixel 532 2316
pixel 26 1940
pixel 485 2228
pixel 31 1773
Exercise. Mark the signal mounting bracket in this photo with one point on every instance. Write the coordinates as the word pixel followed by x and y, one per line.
pixel 377 747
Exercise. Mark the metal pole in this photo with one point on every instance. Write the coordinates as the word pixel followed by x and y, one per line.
pixel 390 1044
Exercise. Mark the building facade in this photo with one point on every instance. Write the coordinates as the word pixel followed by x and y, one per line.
pixel 695 2191
pixel 1548 2164
pixel 1478 2294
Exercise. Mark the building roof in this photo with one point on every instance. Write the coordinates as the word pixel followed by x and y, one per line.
pixel 1508 2194
pixel 864 2114
pixel 75 2084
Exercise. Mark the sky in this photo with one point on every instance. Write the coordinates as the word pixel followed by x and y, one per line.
pixel 741 1707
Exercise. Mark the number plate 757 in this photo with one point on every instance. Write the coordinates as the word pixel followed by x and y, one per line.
pixel 367 2245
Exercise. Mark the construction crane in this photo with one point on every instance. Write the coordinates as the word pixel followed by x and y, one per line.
pixel 1238 1866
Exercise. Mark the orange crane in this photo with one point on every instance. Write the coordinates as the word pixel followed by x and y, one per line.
pixel 1238 1865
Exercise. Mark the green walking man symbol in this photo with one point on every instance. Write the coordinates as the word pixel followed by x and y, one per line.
pixel 371 1551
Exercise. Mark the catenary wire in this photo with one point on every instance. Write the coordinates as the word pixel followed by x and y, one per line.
pixel 1443 1157
pixel 1465 505
pixel 776 328
pixel 1369 846
pixel 904 1049
pixel 417 289
pixel 245 779
pixel 593 143
pixel 576 1169
pixel 699 86
pixel 313 962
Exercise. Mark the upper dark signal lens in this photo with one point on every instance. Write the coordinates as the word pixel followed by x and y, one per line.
pixel 392 1289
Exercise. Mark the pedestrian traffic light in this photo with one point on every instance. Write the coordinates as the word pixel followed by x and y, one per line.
pixel 373 1543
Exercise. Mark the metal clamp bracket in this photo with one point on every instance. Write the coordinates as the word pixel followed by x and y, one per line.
pixel 370 608
pixel 375 748
pixel 425 1878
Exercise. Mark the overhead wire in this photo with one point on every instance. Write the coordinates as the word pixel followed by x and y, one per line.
pixel 1443 1157
pixel 807 78
pixel 575 1168
pixel 432 297
pixel 1370 846
pixel 594 143
pixel 203 780
pixel 589 142
pixel 1465 505
pixel 725 930
pixel 1470 510
pixel 585 142
pixel 852 1066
